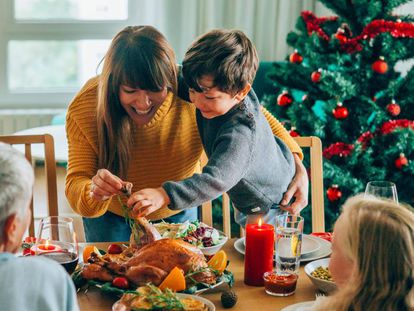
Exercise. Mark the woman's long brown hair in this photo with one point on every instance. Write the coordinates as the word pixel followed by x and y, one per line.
pixel 140 57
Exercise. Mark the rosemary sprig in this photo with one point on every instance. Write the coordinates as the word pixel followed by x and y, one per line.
pixel 130 221
pixel 160 300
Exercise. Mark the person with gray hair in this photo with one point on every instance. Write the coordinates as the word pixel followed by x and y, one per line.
pixel 27 283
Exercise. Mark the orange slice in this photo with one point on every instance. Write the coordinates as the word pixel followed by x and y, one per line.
pixel 87 251
pixel 218 261
pixel 175 280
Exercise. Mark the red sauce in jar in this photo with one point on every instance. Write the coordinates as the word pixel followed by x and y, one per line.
pixel 280 284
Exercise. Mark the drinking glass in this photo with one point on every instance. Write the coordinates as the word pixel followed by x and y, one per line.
pixel 381 189
pixel 57 240
pixel 282 280
pixel 289 230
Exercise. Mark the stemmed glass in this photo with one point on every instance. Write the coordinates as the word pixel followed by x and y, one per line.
pixel 382 189
pixel 57 240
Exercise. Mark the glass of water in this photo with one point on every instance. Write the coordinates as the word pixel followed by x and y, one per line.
pixel 289 231
pixel 381 189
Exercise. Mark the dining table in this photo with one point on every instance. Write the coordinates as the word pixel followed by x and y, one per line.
pixel 249 297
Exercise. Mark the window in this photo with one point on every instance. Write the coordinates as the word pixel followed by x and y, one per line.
pixel 49 48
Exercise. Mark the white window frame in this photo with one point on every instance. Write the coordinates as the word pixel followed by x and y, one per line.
pixel 10 29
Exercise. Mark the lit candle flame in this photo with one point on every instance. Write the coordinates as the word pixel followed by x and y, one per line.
pixel 260 222
pixel 47 244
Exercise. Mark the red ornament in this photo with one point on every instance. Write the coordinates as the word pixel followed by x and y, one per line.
pixel 340 112
pixel 333 193
pixel 284 99
pixel 341 36
pixel 393 108
pixel 380 66
pixel 295 58
pixel 401 161
pixel 316 76
pixel 293 132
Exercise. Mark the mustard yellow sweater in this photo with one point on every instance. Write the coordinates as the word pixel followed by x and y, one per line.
pixel 167 148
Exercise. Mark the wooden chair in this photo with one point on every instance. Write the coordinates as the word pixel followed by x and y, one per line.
pixel 50 167
pixel 318 215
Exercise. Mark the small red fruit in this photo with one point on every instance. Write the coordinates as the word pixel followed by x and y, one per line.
pixel 114 249
pixel 120 282
pixel 30 239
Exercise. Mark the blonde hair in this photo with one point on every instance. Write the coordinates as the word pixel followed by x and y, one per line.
pixel 379 238
pixel 140 57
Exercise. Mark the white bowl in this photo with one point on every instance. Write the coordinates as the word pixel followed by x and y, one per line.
pixel 323 285
pixel 211 250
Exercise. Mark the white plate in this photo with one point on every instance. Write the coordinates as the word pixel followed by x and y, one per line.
pixel 310 245
pixel 323 251
pixel 117 306
pixel 301 306
pixel 199 291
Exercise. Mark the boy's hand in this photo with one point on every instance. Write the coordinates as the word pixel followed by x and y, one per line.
pixel 298 189
pixel 146 201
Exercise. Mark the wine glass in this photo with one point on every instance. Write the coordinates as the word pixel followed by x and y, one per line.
pixel 57 240
pixel 382 189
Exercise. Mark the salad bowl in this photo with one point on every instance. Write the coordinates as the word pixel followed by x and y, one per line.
pixel 208 239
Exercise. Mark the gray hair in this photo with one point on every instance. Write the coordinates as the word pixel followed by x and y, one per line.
pixel 16 183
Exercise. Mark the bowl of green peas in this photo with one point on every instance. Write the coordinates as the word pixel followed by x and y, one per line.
pixel 318 273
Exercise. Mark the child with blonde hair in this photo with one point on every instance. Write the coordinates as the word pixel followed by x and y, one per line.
pixel 372 257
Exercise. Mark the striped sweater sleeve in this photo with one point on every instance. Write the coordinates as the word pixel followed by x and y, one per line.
pixel 82 164
pixel 279 130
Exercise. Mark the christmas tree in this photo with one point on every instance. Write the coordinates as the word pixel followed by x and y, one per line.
pixel 340 84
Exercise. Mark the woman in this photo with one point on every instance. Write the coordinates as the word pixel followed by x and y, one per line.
pixel 372 257
pixel 129 125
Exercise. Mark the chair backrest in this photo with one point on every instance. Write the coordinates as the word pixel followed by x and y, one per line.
pixel 50 167
pixel 316 180
pixel 318 215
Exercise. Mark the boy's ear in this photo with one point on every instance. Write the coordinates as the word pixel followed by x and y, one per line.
pixel 243 93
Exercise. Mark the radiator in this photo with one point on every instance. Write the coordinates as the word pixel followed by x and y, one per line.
pixel 13 120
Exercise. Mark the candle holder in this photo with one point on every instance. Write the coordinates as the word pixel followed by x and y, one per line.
pixel 258 259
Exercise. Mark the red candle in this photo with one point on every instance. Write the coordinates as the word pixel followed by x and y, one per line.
pixel 44 248
pixel 260 240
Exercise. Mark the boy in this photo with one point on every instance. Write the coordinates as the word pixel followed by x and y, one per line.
pixel 245 159
pixel 34 282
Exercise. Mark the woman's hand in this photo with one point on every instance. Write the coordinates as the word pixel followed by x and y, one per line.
pixel 146 201
pixel 298 189
pixel 105 184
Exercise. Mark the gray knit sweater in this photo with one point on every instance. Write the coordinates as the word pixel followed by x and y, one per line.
pixel 245 160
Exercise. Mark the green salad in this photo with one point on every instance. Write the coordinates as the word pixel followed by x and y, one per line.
pixel 195 232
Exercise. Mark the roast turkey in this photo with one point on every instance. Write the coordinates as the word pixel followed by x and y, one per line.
pixel 150 259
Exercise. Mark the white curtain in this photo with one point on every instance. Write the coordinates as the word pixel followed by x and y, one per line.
pixel 266 22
